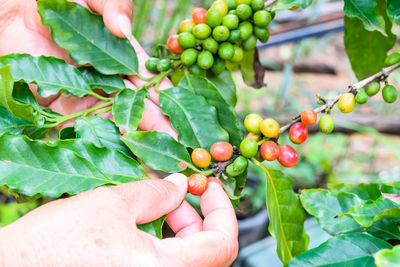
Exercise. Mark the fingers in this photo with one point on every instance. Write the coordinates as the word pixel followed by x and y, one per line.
pixel 217 245
pixel 185 221
pixel 115 13
pixel 148 200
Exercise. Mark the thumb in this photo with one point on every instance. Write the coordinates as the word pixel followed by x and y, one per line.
pixel 148 200
pixel 117 15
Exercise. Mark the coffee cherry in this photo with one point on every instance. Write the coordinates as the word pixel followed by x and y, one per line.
pixel 392 59
pixel 197 184
pixel 257 5
pixel 196 70
pixel 389 93
pixel 269 128
pixel 186 25
pixel 246 30
pixel 205 60
pixel 238 55
pixel 326 123
pixel 373 88
pixel 186 40
pixel 230 21
pixel 262 18
pixel 252 123
pixel 201 158
pixel 173 45
pixel 269 151
pixel 201 31
pixel 246 2
pixel 234 36
pixel 361 96
pixel 244 11
pixel 237 167
pixel 288 156
pixel 164 65
pixel 308 117
pixel 256 137
pixel 221 6
pixel 211 45
pixel 189 57
pixel 221 151
pixel 199 15
pixel 151 64
pixel 231 4
pixel 221 33
pixel 232 12
pixel 214 180
pixel 218 67
pixel 298 133
pixel 226 51
pixel 346 103
pixel 250 43
pixel 262 34
pixel 214 18
pixel 248 147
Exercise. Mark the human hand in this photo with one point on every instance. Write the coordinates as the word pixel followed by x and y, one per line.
pixel 98 228
pixel 21 31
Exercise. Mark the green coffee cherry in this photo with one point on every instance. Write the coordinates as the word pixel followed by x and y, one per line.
pixel 257 5
pixel 205 60
pixel 213 18
pixel 189 57
pixel 237 167
pixel 373 88
pixel 164 65
pixel 326 123
pixel 262 18
pixel 231 4
pixel 248 147
pixel 151 64
pixel 186 40
pixel 230 21
pixel 201 31
pixel 361 96
pixel 389 93
pixel 226 51
pixel 211 45
pixel 261 33
pixel 250 43
pixel 244 12
pixel 196 70
pixel 246 30
pixel 234 36
pixel 392 59
pixel 218 67
pixel 233 12
pixel 221 33
pixel 238 55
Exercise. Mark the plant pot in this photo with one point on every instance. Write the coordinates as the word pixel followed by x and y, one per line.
pixel 253 228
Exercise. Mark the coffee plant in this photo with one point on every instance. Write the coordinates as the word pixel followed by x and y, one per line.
pixel 39 160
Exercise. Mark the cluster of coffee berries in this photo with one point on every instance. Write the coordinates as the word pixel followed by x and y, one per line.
pixel 214 38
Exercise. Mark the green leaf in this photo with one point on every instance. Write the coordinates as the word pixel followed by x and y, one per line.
pixel 353 249
pixel 388 257
pixel 67 133
pixel 108 83
pixel 286 216
pixel 367 12
pixel 19 110
pixel 385 229
pixel 192 117
pixel 393 10
pixel 114 164
pixel 11 124
pixel 23 94
pixel 367 214
pixel 154 227
pixel 225 84
pixel 128 108
pixel 246 67
pixel 85 37
pixel 33 167
pixel 52 75
pixel 325 206
pixel 103 133
pixel 362 190
pixel 225 112
pixel 158 150
pixel 285 4
pixel 367 50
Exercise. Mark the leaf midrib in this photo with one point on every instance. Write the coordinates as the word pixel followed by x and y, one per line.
pixel 365 17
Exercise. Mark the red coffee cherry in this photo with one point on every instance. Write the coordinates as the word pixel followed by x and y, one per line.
pixel 214 179
pixel 298 133
pixel 197 184
pixel 199 16
pixel 288 156
pixel 269 151
pixel 173 44
pixel 221 151
pixel 309 117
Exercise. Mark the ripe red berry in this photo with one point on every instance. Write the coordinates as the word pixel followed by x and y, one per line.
pixel 269 151
pixel 199 15
pixel 298 133
pixel 173 45
pixel 215 180
pixel 309 117
pixel 201 158
pixel 288 156
pixel 197 184
pixel 221 151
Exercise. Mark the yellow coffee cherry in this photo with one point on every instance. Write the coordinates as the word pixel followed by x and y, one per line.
pixel 269 128
pixel 252 123
pixel 221 6
pixel 346 103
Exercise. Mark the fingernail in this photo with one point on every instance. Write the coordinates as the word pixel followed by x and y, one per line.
pixel 125 26
pixel 177 179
